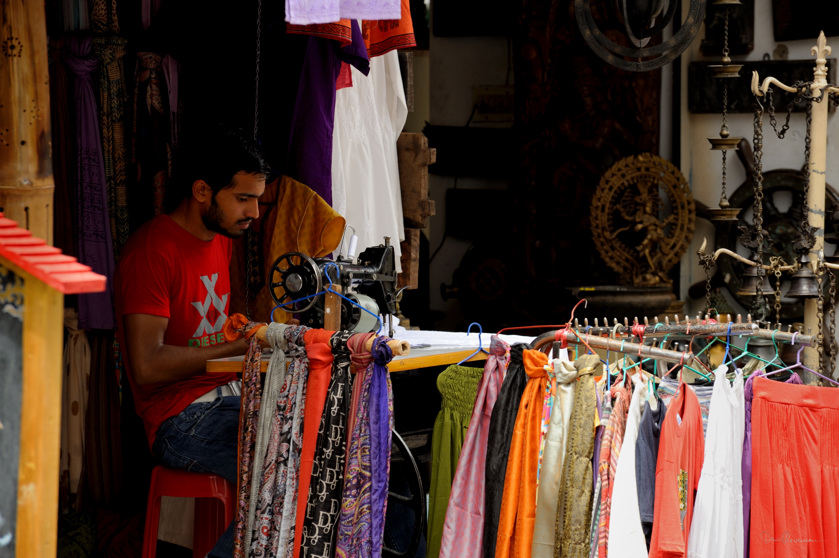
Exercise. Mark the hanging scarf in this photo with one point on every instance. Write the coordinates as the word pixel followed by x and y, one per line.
pixel 364 502
pixel 251 401
pixel 96 310
pixel 463 527
pixel 324 502
pixel 498 443
pixel 112 94
pixel 274 380
pixel 571 527
pixel 273 530
pixel 518 504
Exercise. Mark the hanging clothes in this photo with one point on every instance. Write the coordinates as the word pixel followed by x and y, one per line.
pixel 95 248
pixel 385 35
pixel 572 512
pixel 324 502
pixel 463 526
pixel 646 457
pixel 500 435
pixel 677 473
pixel 320 370
pixel 110 49
pixel 74 409
pixel 746 464
pixel 626 535
pixel 312 129
pixel 609 455
pixel 301 12
pixel 458 386
pixel 364 503
pixel 668 388
pixel 795 485
pixel 553 455
pixel 297 220
pixel 273 531
pixel 717 528
pixel 369 116
pixel 604 411
pixel 518 503
pixel 273 385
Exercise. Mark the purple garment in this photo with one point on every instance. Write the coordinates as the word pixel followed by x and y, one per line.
pixel 96 310
pixel 746 466
pixel 310 138
pixel 381 424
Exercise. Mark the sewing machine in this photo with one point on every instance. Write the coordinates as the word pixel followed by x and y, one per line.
pixel 341 294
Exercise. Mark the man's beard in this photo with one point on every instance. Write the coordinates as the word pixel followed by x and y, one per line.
pixel 213 218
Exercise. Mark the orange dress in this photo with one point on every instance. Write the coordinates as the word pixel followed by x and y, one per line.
pixel 518 502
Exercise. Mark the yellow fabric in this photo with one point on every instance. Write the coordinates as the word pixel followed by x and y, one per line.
pixel 299 221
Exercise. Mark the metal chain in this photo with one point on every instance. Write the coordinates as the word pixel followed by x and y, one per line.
pixel 775 263
pixel 831 323
pixel 252 248
pixel 771 111
pixel 724 133
pixel 807 140
pixel 707 261
pixel 757 208
pixel 820 271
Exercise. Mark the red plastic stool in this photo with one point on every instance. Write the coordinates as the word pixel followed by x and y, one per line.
pixel 214 506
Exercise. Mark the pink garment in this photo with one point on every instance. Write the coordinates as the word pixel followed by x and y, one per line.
pixel 307 12
pixel 464 525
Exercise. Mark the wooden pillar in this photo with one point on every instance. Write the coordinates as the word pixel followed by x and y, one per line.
pixel 26 180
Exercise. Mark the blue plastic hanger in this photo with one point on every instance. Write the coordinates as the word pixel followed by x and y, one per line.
pixel 480 344
pixel 329 289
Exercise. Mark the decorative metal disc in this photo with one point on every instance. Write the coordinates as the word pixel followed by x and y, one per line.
pixel 642 218
pixel 643 58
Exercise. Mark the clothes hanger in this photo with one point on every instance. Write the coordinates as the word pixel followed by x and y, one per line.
pixel 329 289
pixel 799 364
pixel 480 345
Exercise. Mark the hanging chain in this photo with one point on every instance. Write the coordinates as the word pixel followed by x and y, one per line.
pixel 820 271
pixel 707 262
pixel 724 133
pixel 252 248
pixel 759 301
pixel 771 111
pixel 831 323
pixel 775 263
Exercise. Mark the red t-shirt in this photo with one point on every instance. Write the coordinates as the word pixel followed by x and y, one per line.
pixel 166 271
pixel 680 455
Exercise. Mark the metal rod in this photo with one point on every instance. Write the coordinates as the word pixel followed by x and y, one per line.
pixel 786 337
pixel 620 346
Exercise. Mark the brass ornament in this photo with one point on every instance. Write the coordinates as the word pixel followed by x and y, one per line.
pixel 642 218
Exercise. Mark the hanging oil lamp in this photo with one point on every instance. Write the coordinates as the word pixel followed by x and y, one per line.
pixel 725 71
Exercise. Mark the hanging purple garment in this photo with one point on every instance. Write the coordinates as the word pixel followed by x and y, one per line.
pixel 381 425
pixel 310 138
pixel 96 310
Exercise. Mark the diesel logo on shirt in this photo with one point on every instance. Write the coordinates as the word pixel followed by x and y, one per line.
pixel 208 340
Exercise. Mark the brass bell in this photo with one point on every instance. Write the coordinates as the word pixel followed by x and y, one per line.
pixel 764 349
pixel 750 282
pixel 804 283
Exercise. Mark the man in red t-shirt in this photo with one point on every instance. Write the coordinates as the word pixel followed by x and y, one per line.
pixel 173 295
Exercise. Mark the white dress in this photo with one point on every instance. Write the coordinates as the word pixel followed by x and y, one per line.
pixel 717 527
pixel 369 117
pixel 626 534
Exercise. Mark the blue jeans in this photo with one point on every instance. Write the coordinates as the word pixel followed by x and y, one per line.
pixel 203 438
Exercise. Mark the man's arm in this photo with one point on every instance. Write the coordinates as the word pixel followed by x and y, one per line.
pixel 151 361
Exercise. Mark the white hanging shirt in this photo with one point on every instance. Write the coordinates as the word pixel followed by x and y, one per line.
pixel 369 117
pixel 717 527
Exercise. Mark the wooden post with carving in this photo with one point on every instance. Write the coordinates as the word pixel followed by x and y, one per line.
pixel 26 180
pixel 34 278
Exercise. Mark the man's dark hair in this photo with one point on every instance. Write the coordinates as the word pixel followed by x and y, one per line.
pixel 214 154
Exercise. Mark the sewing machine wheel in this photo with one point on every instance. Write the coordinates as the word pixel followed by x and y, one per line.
pixel 294 276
